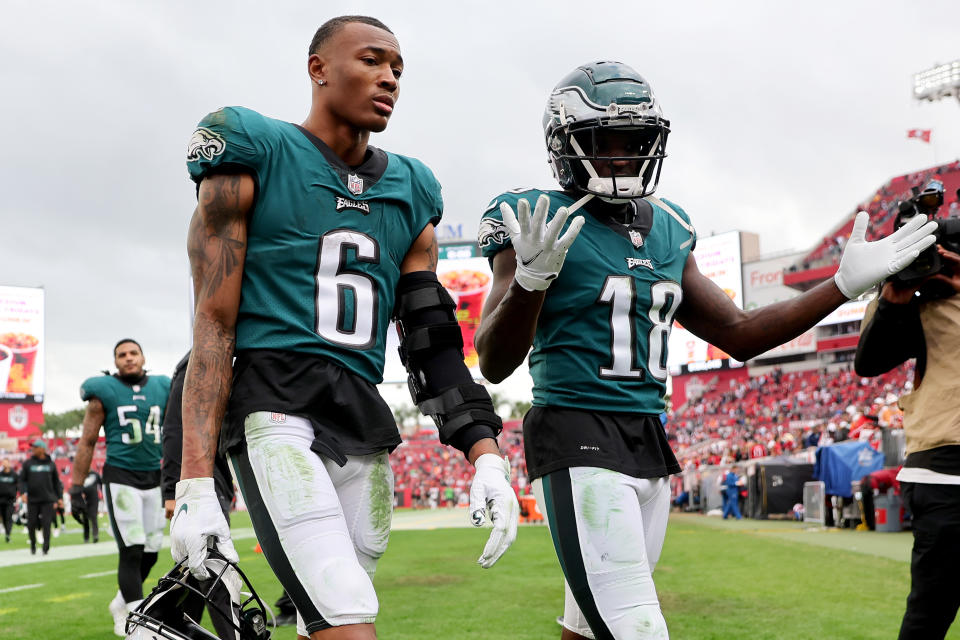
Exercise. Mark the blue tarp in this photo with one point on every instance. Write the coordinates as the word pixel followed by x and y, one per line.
pixel 840 464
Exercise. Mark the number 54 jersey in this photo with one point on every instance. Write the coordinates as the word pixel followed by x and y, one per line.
pixel 133 414
pixel 601 339
pixel 325 241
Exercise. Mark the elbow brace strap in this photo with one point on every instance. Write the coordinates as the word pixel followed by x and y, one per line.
pixel 431 349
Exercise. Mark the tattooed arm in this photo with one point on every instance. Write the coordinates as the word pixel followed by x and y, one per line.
pixel 93 419
pixel 423 253
pixel 216 244
pixel 710 314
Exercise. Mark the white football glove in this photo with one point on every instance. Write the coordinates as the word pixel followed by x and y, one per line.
pixel 540 253
pixel 196 518
pixel 491 491
pixel 864 264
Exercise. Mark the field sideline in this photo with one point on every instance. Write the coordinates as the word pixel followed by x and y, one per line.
pixel 717 580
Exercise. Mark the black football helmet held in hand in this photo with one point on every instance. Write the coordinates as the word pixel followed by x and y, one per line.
pixel 605 132
pixel 173 609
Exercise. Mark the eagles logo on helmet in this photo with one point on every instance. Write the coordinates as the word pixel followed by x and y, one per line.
pixel 589 106
pixel 166 613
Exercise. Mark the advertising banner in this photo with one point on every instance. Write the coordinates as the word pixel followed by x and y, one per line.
pixel 467 277
pixel 763 281
pixel 847 312
pixel 718 258
pixel 21 344
pixel 20 419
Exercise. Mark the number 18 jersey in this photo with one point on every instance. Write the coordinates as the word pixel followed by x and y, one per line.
pixel 601 338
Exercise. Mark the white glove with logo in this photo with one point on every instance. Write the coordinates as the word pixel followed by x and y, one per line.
pixel 196 518
pixel 864 264
pixel 491 491
pixel 540 253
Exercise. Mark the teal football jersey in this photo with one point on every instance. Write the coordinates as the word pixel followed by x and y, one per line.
pixel 601 339
pixel 132 418
pixel 324 244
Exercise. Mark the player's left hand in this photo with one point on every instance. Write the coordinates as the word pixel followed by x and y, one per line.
pixel 864 264
pixel 491 492
pixel 78 503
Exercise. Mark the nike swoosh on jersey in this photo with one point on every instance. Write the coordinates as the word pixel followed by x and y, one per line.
pixel 527 262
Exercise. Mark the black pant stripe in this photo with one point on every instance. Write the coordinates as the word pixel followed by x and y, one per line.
pixel 113 520
pixel 558 496
pixel 270 543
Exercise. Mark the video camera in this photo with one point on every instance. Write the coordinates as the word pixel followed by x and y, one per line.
pixel 927 202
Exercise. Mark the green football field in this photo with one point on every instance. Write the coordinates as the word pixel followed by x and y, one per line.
pixel 716 579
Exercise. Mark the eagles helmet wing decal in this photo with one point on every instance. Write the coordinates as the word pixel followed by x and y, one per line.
pixel 492 232
pixel 205 144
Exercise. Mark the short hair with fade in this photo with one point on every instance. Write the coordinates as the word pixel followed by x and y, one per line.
pixel 120 342
pixel 329 28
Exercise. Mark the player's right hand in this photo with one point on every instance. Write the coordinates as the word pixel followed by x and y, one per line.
pixel 78 502
pixel 197 518
pixel 540 250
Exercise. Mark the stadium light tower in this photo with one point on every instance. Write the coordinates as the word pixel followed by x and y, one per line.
pixel 941 81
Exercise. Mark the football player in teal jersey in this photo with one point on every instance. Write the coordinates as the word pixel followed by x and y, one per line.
pixel 305 242
pixel 595 447
pixel 129 405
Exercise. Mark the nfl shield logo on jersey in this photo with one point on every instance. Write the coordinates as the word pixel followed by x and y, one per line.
pixel 277 418
pixel 636 238
pixel 355 184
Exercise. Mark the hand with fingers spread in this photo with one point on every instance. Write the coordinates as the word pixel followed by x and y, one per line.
pixel 491 492
pixel 864 264
pixel 540 249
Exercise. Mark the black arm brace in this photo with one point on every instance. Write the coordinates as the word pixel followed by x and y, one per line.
pixel 431 348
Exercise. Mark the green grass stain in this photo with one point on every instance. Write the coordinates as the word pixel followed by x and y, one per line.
pixel 381 500
pixel 290 475
pixel 598 500
pixel 124 501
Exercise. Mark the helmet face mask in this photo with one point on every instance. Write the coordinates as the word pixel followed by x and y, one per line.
pixel 235 614
pixel 605 132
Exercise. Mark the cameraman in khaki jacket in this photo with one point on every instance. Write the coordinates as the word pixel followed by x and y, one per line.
pixel 922 320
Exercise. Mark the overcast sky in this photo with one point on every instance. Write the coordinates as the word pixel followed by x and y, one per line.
pixel 784 116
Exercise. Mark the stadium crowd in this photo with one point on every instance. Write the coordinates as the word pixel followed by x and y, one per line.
pixel 771 414
pixel 882 207
pixel 777 413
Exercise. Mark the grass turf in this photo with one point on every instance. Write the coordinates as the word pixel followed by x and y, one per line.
pixel 715 580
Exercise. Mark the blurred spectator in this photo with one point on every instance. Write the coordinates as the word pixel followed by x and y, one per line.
pixel 40 482
pixel 8 495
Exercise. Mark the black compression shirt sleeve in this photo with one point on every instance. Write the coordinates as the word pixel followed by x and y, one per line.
pixel 892 336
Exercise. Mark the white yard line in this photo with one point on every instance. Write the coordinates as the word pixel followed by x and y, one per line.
pixel 99 574
pixel 22 587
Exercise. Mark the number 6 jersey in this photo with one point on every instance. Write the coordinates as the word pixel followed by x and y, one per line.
pixel 325 241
